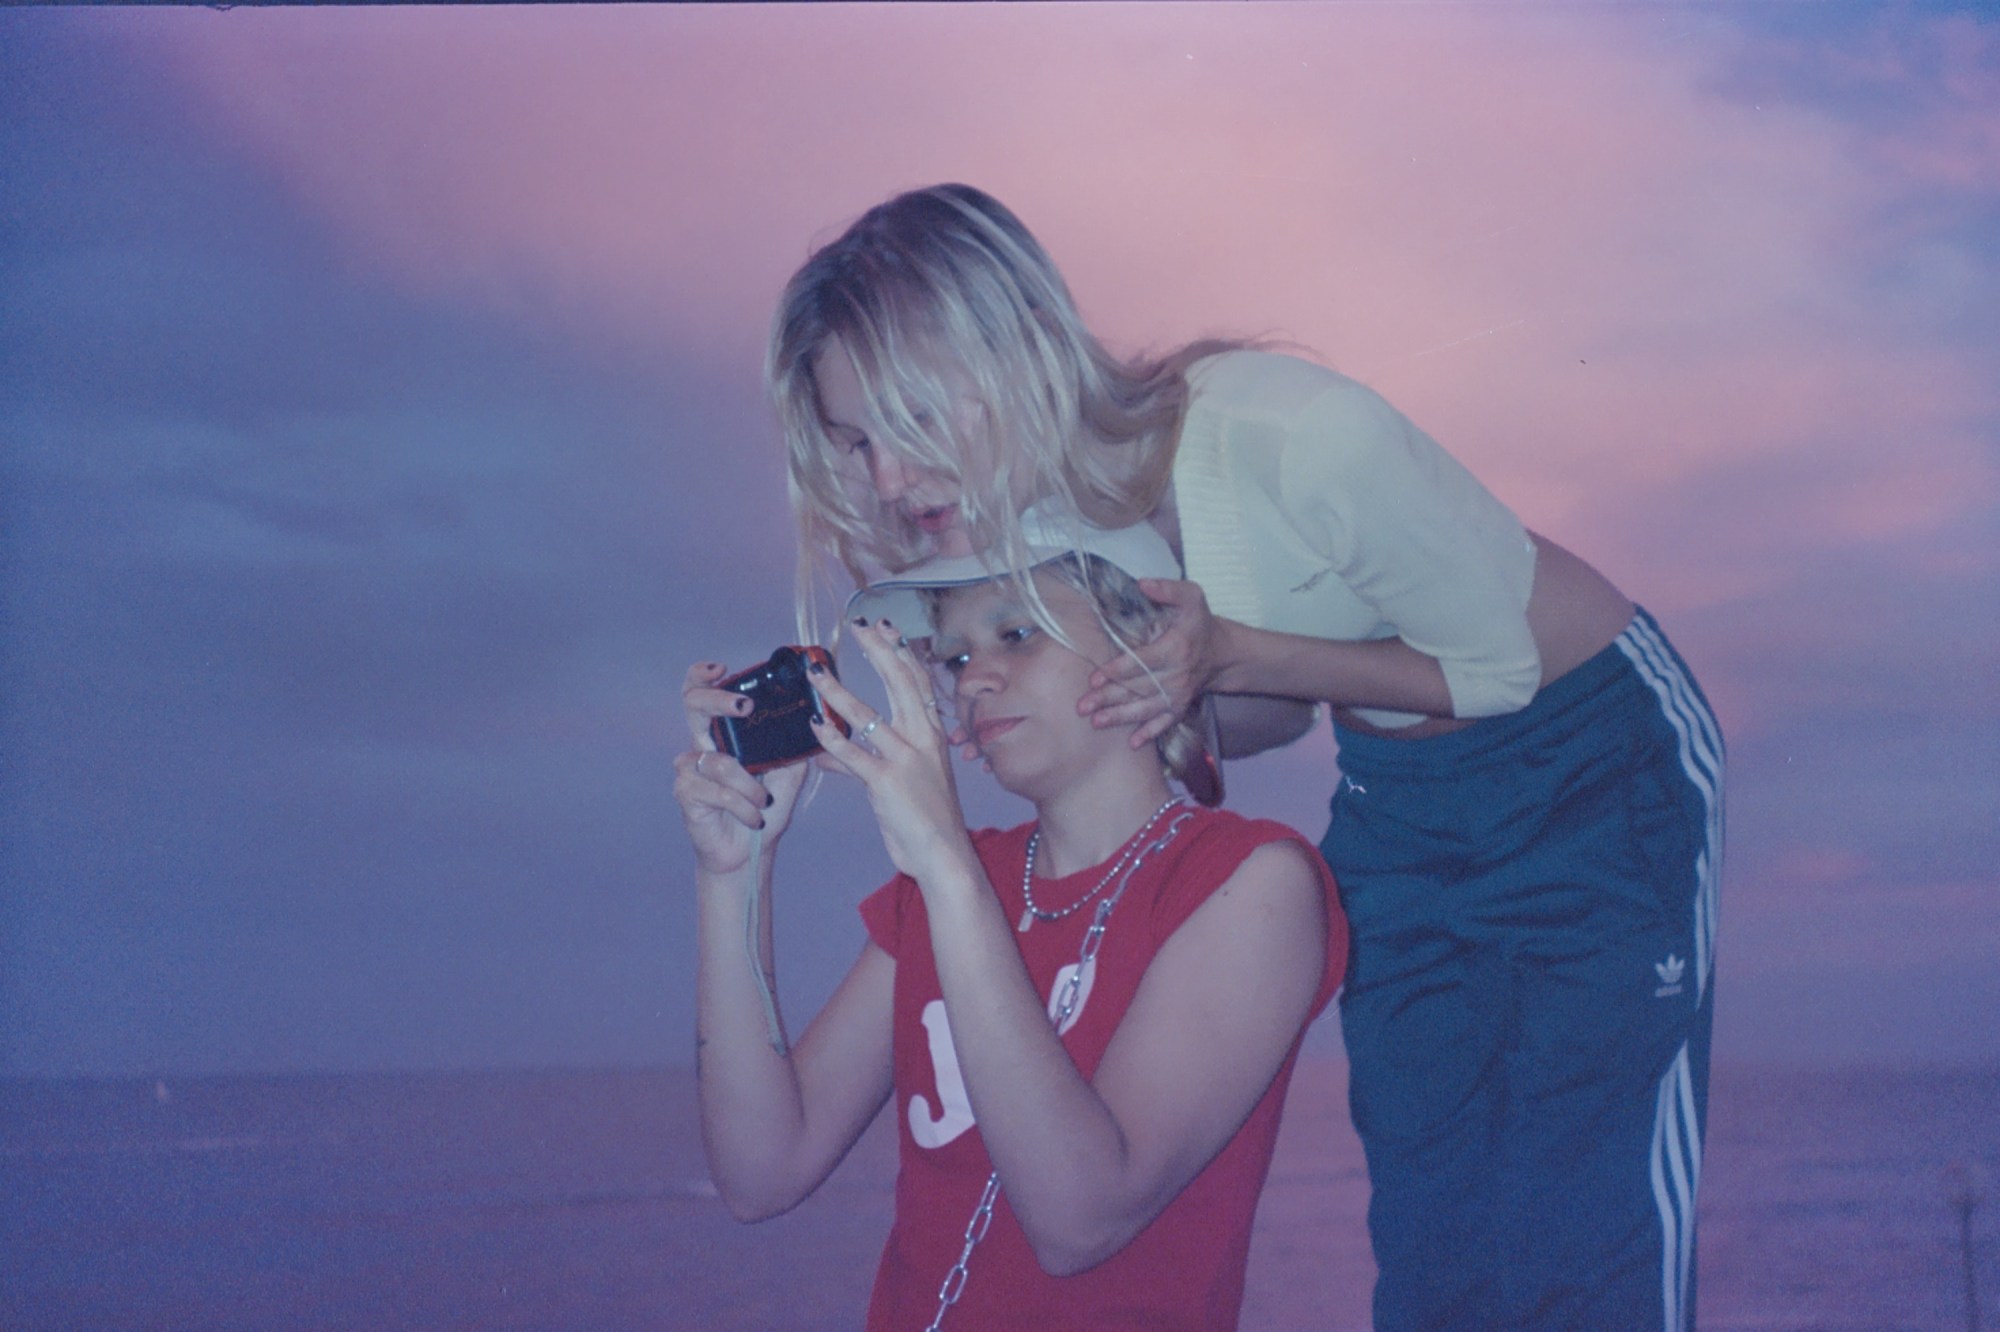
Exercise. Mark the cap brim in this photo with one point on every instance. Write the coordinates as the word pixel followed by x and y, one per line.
pixel 1139 550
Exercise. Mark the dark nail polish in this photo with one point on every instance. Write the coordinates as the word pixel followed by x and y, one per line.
pixel 742 707
pixel 769 800
pixel 815 669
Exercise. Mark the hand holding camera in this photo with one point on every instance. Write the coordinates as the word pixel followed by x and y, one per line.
pixel 783 706
pixel 739 781
pixel 901 755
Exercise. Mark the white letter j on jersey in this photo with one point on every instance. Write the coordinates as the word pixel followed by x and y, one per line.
pixel 934 1128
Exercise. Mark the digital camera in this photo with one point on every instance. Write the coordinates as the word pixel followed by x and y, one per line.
pixel 783 703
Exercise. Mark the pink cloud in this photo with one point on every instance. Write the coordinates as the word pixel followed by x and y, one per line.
pixel 1946 68
pixel 1539 231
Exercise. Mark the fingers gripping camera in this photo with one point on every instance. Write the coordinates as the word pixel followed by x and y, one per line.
pixel 783 704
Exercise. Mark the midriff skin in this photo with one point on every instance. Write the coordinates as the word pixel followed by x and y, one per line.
pixel 1574 612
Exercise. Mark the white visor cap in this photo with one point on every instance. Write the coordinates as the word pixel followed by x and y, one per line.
pixel 1139 550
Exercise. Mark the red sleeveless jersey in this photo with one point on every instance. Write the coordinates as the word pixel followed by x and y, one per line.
pixel 1185 1269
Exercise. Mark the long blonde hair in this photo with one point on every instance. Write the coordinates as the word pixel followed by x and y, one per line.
pixel 933 292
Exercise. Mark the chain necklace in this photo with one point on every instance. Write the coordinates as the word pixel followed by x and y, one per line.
pixel 1032 913
pixel 1066 1002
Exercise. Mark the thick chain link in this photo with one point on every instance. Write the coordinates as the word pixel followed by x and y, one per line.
pixel 975 1231
pixel 1093 939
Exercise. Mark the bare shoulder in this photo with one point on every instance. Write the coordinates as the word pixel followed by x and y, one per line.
pixel 1274 890
pixel 1276 862
pixel 1281 860
pixel 1221 1005
pixel 1274 895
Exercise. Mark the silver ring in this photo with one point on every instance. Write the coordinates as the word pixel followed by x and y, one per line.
pixel 698 760
pixel 862 734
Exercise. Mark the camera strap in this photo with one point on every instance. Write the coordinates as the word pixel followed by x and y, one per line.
pixel 751 913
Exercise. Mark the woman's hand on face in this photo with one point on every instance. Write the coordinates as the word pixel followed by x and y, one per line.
pixel 1183 659
pixel 724 806
pixel 902 756
pixel 961 740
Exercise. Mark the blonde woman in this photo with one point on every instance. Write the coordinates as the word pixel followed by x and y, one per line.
pixel 1527 820
pixel 1087 1023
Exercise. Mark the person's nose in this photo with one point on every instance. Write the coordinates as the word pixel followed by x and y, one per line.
pixel 980 677
pixel 892 475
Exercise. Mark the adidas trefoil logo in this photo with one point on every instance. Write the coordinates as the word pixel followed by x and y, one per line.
pixel 1670 973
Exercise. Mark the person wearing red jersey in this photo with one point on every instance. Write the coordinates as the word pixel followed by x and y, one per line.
pixel 1087 1023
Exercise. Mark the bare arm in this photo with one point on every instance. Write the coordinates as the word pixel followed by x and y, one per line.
pixel 1087 1165
pixel 1374 673
pixel 1407 530
pixel 1198 651
pixel 774 1122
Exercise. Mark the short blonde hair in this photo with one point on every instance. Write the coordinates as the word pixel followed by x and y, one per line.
pixel 931 292
pixel 1129 619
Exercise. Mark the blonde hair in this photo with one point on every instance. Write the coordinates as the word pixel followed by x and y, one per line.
pixel 932 293
pixel 1129 619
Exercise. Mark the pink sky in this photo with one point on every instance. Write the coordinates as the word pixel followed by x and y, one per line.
pixel 1706 293
pixel 1538 230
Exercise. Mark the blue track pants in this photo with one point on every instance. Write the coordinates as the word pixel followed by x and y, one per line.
pixel 1529 998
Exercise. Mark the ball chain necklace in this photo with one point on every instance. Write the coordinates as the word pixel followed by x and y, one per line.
pixel 1032 913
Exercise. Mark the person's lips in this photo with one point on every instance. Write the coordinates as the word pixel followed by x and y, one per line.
pixel 938 518
pixel 986 731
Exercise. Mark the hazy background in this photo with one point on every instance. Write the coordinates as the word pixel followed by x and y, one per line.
pixel 381 436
